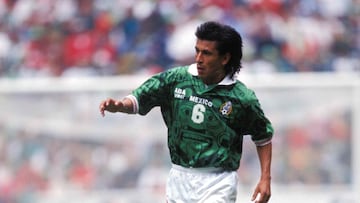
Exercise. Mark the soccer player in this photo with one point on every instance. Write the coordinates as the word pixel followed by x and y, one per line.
pixel 207 112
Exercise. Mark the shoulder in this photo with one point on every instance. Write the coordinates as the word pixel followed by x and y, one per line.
pixel 175 73
pixel 245 93
pixel 179 69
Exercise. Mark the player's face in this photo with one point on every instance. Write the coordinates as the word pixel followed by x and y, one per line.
pixel 210 65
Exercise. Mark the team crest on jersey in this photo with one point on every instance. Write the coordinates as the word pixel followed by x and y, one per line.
pixel 226 108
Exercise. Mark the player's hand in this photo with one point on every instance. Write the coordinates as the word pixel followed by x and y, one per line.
pixel 110 105
pixel 262 192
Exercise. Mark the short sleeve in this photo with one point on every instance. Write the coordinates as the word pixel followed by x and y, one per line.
pixel 155 91
pixel 258 125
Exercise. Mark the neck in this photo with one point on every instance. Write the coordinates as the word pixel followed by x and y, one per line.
pixel 214 80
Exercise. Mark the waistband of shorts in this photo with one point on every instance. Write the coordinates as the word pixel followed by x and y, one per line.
pixel 198 170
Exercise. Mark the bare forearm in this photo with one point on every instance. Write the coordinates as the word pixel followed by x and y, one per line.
pixel 262 192
pixel 265 154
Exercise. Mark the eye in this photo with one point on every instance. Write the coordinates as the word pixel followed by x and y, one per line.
pixel 206 52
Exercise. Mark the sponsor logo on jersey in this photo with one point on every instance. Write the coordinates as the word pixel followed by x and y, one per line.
pixel 179 93
pixel 226 108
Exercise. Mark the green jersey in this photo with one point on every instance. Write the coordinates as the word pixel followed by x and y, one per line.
pixel 205 123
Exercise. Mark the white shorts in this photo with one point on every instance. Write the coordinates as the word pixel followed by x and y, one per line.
pixel 188 185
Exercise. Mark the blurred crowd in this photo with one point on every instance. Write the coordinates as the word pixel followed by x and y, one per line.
pixel 36 165
pixel 62 38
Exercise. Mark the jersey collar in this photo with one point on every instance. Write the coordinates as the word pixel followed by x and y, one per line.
pixel 226 81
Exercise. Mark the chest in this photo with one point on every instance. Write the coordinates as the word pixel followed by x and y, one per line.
pixel 205 105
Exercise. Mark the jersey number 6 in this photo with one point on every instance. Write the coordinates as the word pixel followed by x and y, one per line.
pixel 198 113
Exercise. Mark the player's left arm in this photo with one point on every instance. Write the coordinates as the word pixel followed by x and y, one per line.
pixel 262 191
pixel 261 131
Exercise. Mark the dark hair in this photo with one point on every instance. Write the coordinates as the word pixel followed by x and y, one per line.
pixel 227 39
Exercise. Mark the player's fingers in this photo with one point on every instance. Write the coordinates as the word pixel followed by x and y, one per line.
pixel 102 108
pixel 255 194
pixel 103 105
pixel 263 198
pixel 118 103
pixel 260 199
pixel 107 103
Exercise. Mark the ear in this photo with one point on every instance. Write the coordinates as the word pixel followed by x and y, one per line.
pixel 226 58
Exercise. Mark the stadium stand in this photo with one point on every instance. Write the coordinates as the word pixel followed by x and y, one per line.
pixel 64 38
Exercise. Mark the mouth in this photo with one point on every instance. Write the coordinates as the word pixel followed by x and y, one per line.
pixel 200 70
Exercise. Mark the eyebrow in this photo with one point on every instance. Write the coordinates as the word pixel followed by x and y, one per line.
pixel 205 51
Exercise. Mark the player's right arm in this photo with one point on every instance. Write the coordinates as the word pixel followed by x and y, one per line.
pixel 153 92
pixel 112 105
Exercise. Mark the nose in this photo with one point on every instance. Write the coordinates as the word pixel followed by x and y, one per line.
pixel 198 57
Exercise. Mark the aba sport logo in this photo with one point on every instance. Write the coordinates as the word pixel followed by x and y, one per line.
pixel 179 93
pixel 226 108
